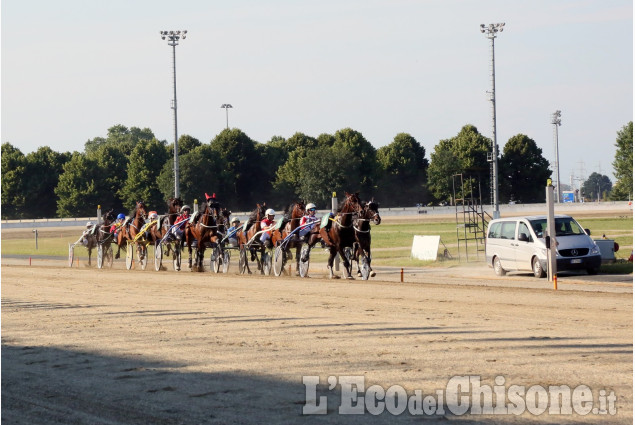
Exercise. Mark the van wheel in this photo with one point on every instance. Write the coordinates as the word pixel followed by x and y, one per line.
pixel 539 272
pixel 498 269
pixel 592 271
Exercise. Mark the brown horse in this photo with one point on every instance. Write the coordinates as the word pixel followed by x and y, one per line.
pixel 167 221
pixel 291 220
pixel 370 213
pixel 251 227
pixel 340 234
pixel 204 231
pixel 132 227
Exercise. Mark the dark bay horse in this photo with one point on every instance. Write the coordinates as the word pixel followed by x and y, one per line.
pixel 340 234
pixel 103 235
pixel 204 230
pixel 97 233
pixel 251 227
pixel 167 221
pixel 293 213
pixel 132 226
pixel 370 213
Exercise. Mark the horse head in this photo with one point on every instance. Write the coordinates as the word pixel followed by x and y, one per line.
pixel 174 205
pixel 352 204
pixel 224 218
pixel 299 208
pixel 140 210
pixel 372 211
pixel 109 217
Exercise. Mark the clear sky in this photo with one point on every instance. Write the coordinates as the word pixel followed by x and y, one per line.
pixel 71 69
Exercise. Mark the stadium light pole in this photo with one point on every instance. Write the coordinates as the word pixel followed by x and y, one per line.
pixel 490 32
pixel 556 121
pixel 226 106
pixel 173 38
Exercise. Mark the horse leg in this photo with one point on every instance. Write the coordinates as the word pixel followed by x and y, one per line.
pixel 332 252
pixel 90 251
pixel 340 250
pixel 298 250
pixel 189 256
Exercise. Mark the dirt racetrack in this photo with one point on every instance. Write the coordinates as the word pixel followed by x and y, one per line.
pixel 87 346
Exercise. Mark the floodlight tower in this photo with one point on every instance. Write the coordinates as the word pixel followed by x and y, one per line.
pixel 490 32
pixel 173 38
pixel 226 106
pixel 556 121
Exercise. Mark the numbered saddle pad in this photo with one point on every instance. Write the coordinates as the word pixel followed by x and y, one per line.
pixel 325 221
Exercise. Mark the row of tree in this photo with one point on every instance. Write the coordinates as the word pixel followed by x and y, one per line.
pixel 130 164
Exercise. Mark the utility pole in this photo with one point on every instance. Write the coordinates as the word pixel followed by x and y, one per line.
pixel 556 121
pixel 490 32
pixel 173 40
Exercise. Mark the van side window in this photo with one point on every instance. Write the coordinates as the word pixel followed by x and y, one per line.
pixel 522 228
pixel 494 230
pixel 508 230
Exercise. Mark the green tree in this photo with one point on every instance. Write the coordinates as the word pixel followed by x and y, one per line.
pixel 186 144
pixel 597 186
pixel 112 160
pixel 14 167
pixel 43 169
pixel 120 134
pixel 365 173
pixel 241 163
pixel 200 171
pixel 623 164
pixel 523 170
pixel 145 164
pixel 403 179
pixel 79 187
pixel 464 154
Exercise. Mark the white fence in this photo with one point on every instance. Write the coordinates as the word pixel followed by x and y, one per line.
pixel 519 209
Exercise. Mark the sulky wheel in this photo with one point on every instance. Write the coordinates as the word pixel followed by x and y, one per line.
pixel 279 258
pixel 71 254
pixel 158 256
pixel 304 261
pixel 129 255
pixel 100 256
pixel 242 261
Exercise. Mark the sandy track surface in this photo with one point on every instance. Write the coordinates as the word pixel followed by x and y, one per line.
pixel 87 346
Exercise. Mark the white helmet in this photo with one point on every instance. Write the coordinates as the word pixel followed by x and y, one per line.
pixel 310 205
pixel 89 224
pixel 185 207
pixel 235 220
pixel 270 211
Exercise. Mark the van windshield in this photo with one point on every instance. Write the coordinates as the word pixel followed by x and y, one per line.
pixel 565 226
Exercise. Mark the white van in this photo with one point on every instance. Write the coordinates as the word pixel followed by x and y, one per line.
pixel 518 244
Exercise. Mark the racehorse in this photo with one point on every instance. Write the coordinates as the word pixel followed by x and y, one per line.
pixel 291 220
pixel 132 226
pixel 252 226
pixel 204 230
pixel 361 226
pixel 95 235
pixel 167 221
pixel 103 234
pixel 340 234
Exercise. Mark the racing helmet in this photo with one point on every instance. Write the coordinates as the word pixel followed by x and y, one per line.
pixel 152 215
pixel 235 220
pixel 185 207
pixel 310 206
pixel 121 216
pixel 270 211
pixel 89 224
